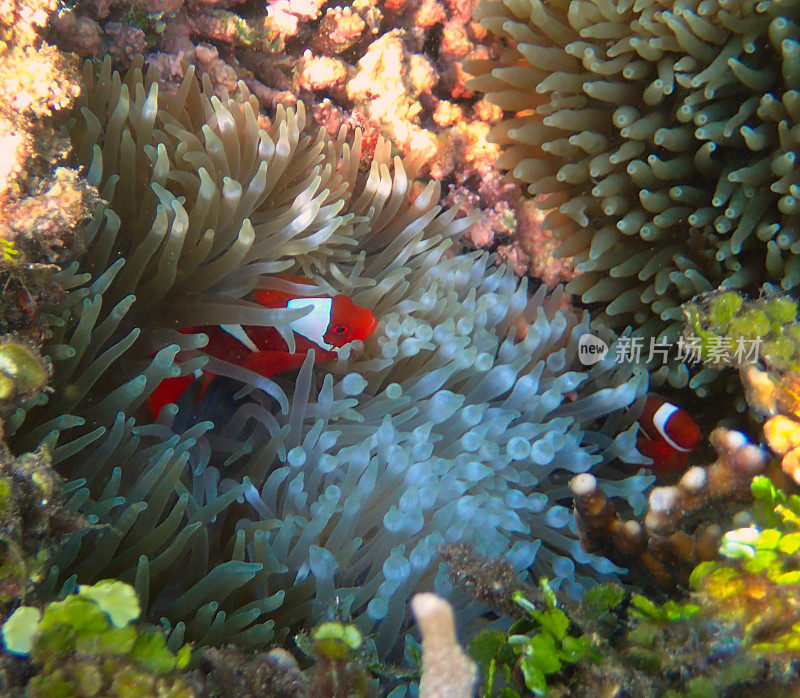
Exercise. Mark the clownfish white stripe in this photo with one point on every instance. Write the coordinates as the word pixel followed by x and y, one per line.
pixel 314 325
pixel 238 333
pixel 660 419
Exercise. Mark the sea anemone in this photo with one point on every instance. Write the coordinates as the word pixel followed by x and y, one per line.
pixel 663 139
pixel 324 493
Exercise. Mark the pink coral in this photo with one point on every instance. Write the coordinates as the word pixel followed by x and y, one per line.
pixel 482 233
pixel 40 210
pixel 34 80
pixel 268 97
pixel 339 30
pixel 81 34
pixel 390 95
pixel 170 68
pixel 429 13
pixel 53 211
pixel 126 41
pixel 13 145
pixel 392 68
pixel 487 112
pixel 164 6
pixel 314 73
pixel 221 4
pixel 285 15
pixel 447 113
pixel 455 41
pixel 462 9
pixel 533 248
pixel 177 37
pixel 491 225
pixel 222 75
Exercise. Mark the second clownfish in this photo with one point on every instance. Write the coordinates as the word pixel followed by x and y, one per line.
pixel 667 434
pixel 333 322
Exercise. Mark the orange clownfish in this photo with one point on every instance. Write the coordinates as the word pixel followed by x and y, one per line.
pixel 667 434
pixel 333 322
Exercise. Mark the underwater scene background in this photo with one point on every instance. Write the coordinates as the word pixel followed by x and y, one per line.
pixel 289 365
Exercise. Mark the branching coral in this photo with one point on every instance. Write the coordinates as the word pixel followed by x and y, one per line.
pixel 671 542
pixel 663 137
pixel 446 671
pixel 313 497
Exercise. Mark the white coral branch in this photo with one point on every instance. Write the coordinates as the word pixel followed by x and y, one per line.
pixel 446 671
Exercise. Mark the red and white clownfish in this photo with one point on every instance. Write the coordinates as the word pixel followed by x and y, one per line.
pixel 667 434
pixel 333 322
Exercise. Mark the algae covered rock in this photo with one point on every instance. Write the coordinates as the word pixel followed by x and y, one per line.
pixel 34 519
pixel 86 646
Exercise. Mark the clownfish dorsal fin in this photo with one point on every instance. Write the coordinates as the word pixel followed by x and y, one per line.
pixel 314 325
pixel 238 333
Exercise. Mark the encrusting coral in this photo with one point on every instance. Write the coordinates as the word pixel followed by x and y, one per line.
pixel 34 520
pixel 314 497
pixel 42 203
pixel 663 139
pixel 775 396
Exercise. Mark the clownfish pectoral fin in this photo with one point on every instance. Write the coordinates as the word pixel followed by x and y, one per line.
pixel 168 391
pixel 206 381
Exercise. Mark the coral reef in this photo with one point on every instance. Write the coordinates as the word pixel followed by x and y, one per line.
pixel 229 672
pixel 34 520
pixel 774 395
pixel 36 78
pixel 314 497
pixel 41 204
pixel 725 329
pixel 678 532
pixel 338 668
pixel 324 495
pixel 534 648
pixel 333 58
pixel 446 671
pixel 713 643
pixel 662 141
pixel 86 645
pixel 756 586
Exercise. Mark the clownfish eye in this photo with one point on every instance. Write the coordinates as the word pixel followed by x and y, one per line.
pixel 339 329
